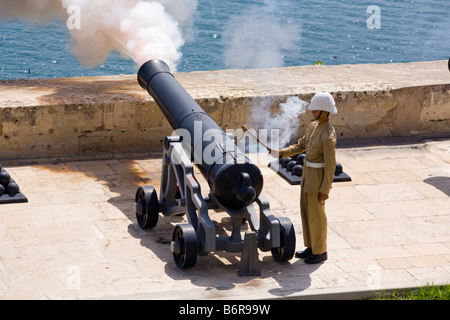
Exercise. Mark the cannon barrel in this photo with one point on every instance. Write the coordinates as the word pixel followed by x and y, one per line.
pixel 232 178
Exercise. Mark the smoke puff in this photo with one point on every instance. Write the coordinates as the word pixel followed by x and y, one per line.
pixel 259 37
pixel 41 11
pixel 151 33
pixel 286 121
pixel 141 30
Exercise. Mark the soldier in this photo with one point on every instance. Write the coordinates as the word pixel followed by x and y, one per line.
pixel 319 145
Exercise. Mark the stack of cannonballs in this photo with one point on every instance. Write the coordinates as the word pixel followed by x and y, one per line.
pixel 295 165
pixel 7 185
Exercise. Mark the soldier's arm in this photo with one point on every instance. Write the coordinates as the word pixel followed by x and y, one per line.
pixel 329 155
pixel 294 149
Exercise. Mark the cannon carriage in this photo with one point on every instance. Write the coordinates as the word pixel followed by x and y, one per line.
pixel 235 184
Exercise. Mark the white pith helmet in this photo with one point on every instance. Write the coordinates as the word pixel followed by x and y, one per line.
pixel 323 101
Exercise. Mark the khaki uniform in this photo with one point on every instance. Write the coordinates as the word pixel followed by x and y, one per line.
pixel 319 145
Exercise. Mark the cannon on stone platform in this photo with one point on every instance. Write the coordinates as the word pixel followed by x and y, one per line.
pixel 235 184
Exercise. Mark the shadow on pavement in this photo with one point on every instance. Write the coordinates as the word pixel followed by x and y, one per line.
pixel 440 182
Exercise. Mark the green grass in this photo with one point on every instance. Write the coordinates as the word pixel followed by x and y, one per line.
pixel 428 292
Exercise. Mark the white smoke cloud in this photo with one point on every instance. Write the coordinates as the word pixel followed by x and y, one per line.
pixel 141 30
pixel 38 11
pixel 286 120
pixel 161 38
pixel 259 37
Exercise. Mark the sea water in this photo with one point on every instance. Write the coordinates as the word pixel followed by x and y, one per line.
pixel 255 34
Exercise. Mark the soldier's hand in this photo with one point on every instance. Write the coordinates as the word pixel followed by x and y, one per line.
pixel 322 197
pixel 274 152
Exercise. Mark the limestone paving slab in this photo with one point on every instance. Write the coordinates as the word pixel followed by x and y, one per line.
pixel 77 237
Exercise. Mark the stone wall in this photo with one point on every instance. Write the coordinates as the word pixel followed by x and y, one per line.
pixel 79 117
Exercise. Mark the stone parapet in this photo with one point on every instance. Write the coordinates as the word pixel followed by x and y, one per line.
pixel 76 117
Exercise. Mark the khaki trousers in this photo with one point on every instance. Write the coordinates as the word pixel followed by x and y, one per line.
pixel 314 222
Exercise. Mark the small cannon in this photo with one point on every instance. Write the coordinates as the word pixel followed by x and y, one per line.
pixel 235 184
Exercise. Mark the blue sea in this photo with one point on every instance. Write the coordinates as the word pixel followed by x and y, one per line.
pixel 255 34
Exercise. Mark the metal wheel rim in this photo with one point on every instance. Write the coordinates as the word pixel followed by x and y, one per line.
pixel 147 209
pixel 180 257
pixel 141 207
pixel 287 248
pixel 185 240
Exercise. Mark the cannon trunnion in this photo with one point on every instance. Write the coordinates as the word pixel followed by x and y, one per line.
pixel 235 184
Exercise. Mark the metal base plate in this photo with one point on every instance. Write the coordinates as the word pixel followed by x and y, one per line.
pixel 294 179
pixel 249 265
pixel 13 198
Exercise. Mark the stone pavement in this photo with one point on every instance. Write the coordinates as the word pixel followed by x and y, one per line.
pixel 77 237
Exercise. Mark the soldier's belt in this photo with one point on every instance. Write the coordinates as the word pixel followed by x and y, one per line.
pixel 315 164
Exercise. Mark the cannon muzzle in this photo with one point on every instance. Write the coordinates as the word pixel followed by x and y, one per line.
pixel 233 179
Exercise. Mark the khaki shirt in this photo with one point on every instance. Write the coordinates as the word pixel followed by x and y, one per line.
pixel 319 145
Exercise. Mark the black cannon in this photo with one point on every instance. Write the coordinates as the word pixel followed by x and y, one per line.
pixel 235 183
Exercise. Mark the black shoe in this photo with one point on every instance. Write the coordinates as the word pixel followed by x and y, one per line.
pixel 303 254
pixel 316 258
